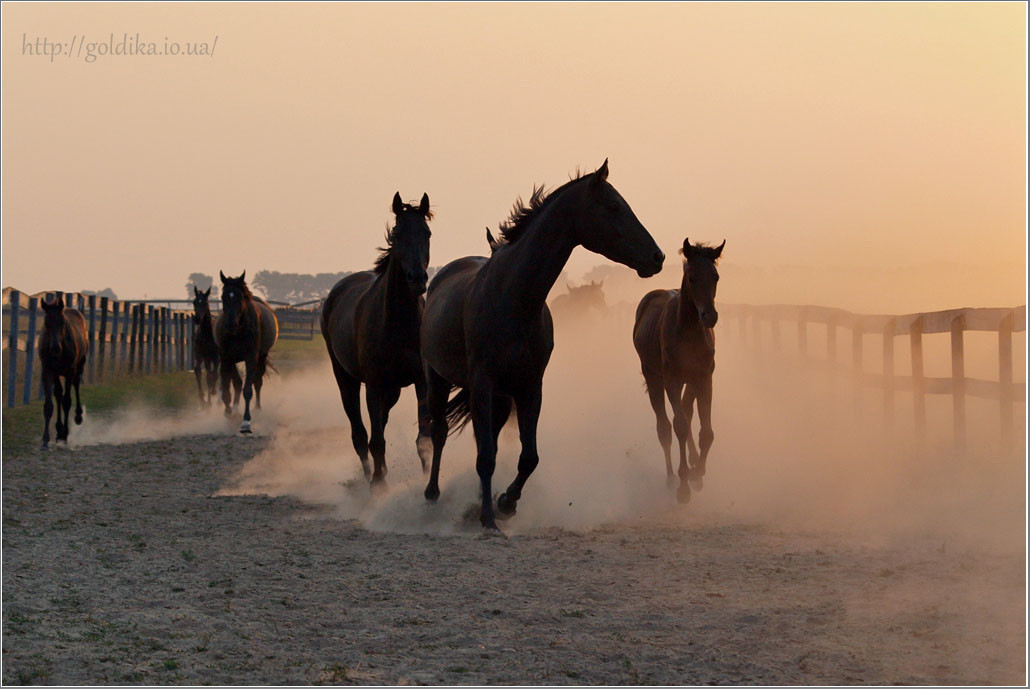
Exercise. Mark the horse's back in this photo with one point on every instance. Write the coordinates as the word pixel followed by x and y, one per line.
pixel 443 331
pixel 647 331
pixel 338 314
pixel 268 323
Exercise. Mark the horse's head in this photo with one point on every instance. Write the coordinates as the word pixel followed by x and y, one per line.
pixel 201 309
pixel 235 295
pixel 53 324
pixel 408 242
pixel 610 228
pixel 701 278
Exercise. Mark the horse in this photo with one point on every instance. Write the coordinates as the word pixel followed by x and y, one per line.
pixel 673 336
pixel 370 322
pixel 63 348
pixel 205 350
pixel 580 301
pixel 245 331
pixel 487 329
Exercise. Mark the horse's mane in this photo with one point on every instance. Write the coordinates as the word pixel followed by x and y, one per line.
pixel 383 259
pixel 523 214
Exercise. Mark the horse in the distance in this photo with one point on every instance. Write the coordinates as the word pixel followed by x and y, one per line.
pixel 205 350
pixel 674 339
pixel 63 349
pixel 370 322
pixel 487 329
pixel 245 331
pixel 580 301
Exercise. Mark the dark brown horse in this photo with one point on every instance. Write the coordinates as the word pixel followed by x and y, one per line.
pixel 245 331
pixel 487 329
pixel 674 339
pixel 63 348
pixel 205 351
pixel 370 322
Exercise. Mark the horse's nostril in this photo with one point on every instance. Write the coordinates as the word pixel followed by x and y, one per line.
pixel 659 256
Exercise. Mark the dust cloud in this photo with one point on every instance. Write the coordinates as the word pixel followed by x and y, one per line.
pixel 796 446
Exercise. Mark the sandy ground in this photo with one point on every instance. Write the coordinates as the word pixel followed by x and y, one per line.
pixel 169 549
pixel 122 566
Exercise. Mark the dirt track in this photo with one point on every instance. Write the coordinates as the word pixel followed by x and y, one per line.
pixel 120 566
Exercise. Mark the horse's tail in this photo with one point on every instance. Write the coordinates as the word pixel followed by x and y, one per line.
pixel 459 413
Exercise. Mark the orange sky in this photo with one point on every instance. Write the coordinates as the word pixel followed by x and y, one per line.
pixel 841 134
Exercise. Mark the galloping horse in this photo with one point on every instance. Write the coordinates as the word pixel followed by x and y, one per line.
pixel 245 331
pixel 487 329
pixel 205 351
pixel 370 322
pixel 674 339
pixel 63 348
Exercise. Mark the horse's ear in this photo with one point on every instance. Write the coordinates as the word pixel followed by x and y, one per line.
pixel 196 292
pixel 718 250
pixel 222 275
pixel 490 240
pixel 398 205
pixel 687 248
pixel 242 275
pixel 601 175
pixel 208 292
pixel 423 207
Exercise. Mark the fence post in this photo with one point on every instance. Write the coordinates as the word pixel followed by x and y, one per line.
pixel 857 362
pixel 188 341
pixel 132 338
pixel 12 368
pixel 915 333
pixel 92 302
pixel 888 372
pixel 756 328
pixel 1005 378
pixel 126 325
pixel 165 340
pixel 115 307
pixel 774 323
pixel 803 331
pixel 958 380
pixel 82 303
pixel 102 342
pixel 30 351
pixel 742 325
pixel 149 310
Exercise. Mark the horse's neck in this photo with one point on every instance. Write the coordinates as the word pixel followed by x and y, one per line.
pixel 399 306
pixel 687 315
pixel 533 263
pixel 205 325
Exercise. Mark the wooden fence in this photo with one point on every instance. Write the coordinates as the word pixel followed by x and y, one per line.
pixel 1003 321
pixel 136 337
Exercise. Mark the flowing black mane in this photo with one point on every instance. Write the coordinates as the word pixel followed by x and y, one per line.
pixel 522 214
pixel 383 260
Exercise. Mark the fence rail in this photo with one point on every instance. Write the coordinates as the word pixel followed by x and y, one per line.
pixel 131 337
pixel 956 322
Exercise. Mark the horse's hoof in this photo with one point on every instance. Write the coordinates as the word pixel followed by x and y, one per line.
pixel 245 427
pixel 505 506
pixel 432 493
pixel 44 446
pixel 228 412
pixel 489 526
pixel 683 493
pixel 78 419
pixel 671 480
pixel 696 482
pixel 377 485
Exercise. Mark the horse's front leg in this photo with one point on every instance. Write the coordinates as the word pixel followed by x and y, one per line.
pixel 680 424
pixel 225 370
pixel 424 441
pixel 481 404
pixel 380 401
pixel 78 400
pixel 250 365
pixel 212 381
pixel 198 373
pixel 705 436
pixel 438 389
pixel 66 406
pixel 527 408
pixel 48 407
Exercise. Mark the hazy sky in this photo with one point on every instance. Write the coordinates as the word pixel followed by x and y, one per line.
pixel 841 134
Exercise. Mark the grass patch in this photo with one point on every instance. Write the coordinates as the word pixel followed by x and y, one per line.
pixel 23 426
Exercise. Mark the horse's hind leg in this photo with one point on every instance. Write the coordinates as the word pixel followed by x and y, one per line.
pixel 237 385
pixel 527 408
pixel 437 391
pixel 198 372
pixel 78 400
pixel 212 381
pixel 350 394
pixel 656 393
pixel 259 377
pixel 705 436
pixel 226 376
pixel 424 442
pixel 250 366
pixel 48 406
